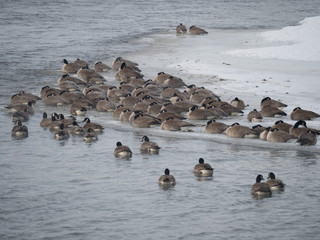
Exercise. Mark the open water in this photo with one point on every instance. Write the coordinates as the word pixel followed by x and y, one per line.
pixel 53 189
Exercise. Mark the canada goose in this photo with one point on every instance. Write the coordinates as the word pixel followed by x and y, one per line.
pixel 23 97
pixel 275 135
pixel 136 81
pixel 184 105
pixel 46 90
pixel 218 103
pixel 67 77
pixel 55 123
pixel 203 169
pixel 68 122
pixel 152 87
pixel 81 63
pixel 70 67
pixel 174 82
pixel 168 92
pixel 125 73
pixel 115 93
pixel 161 77
pixel 254 116
pixel 171 108
pixel 149 146
pixel 275 184
pixel 214 127
pixel 116 112
pixel 19 130
pixel 191 88
pixel 197 97
pixel 258 128
pixel 53 100
pixel 147 98
pixel 84 102
pixel 141 105
pixel 78 110
pixel 94 94
pixel 104 105
pixel 175 98
pixel 12 108
pixel 23 116
pixel 308 138
pixel 45 122
pixel 196 113
pixel 129 100
pixel 90 136
pixel 281 125
pixel 230 110
pixel 154 108
pixel 171 124
pixel 193 30
pixel 101 67
pixel 122 151
pixel 124 115
pixel 237 103
pixel 301 114
pixel 75 129
pixel 116 64
pixel 94 126
pixel 267 101
pixel 269 111
pixel 127 86
pixel 219 113
pixel 263 135
pixel 296 130
pixel 164 114
pixel 61 133
pixel 90 76
pixel 142 121
pixel 69 86
pixel 167 179
pixel 238 131
pixel 259 188
pixel 70 97
pixel 181 28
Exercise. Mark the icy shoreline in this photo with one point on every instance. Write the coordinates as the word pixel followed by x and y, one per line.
pixel 210 61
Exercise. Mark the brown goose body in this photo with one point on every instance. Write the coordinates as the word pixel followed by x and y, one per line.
pixel 181 28
pixel 254 116
pixel 19 130
pixel 267 101
pixel 276 135
pixel 203 169
pixel 281 125
pixel 193 30
pixel 261 189
pixel 307 139
pixel 238 131
pixel 302 114
pixel 149 146
pixel 122 151
pixel 301 127
pixel 167 180
pixel 171 124
pixel 215 127
pixel 275 184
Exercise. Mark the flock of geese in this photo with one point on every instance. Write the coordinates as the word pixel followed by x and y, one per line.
pixel 166 102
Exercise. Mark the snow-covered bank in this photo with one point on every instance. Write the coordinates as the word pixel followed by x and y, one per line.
pixel 210 61
pixel 215 61
pixel 294 43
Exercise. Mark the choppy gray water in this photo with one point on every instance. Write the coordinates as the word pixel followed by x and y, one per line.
pixel 72 190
